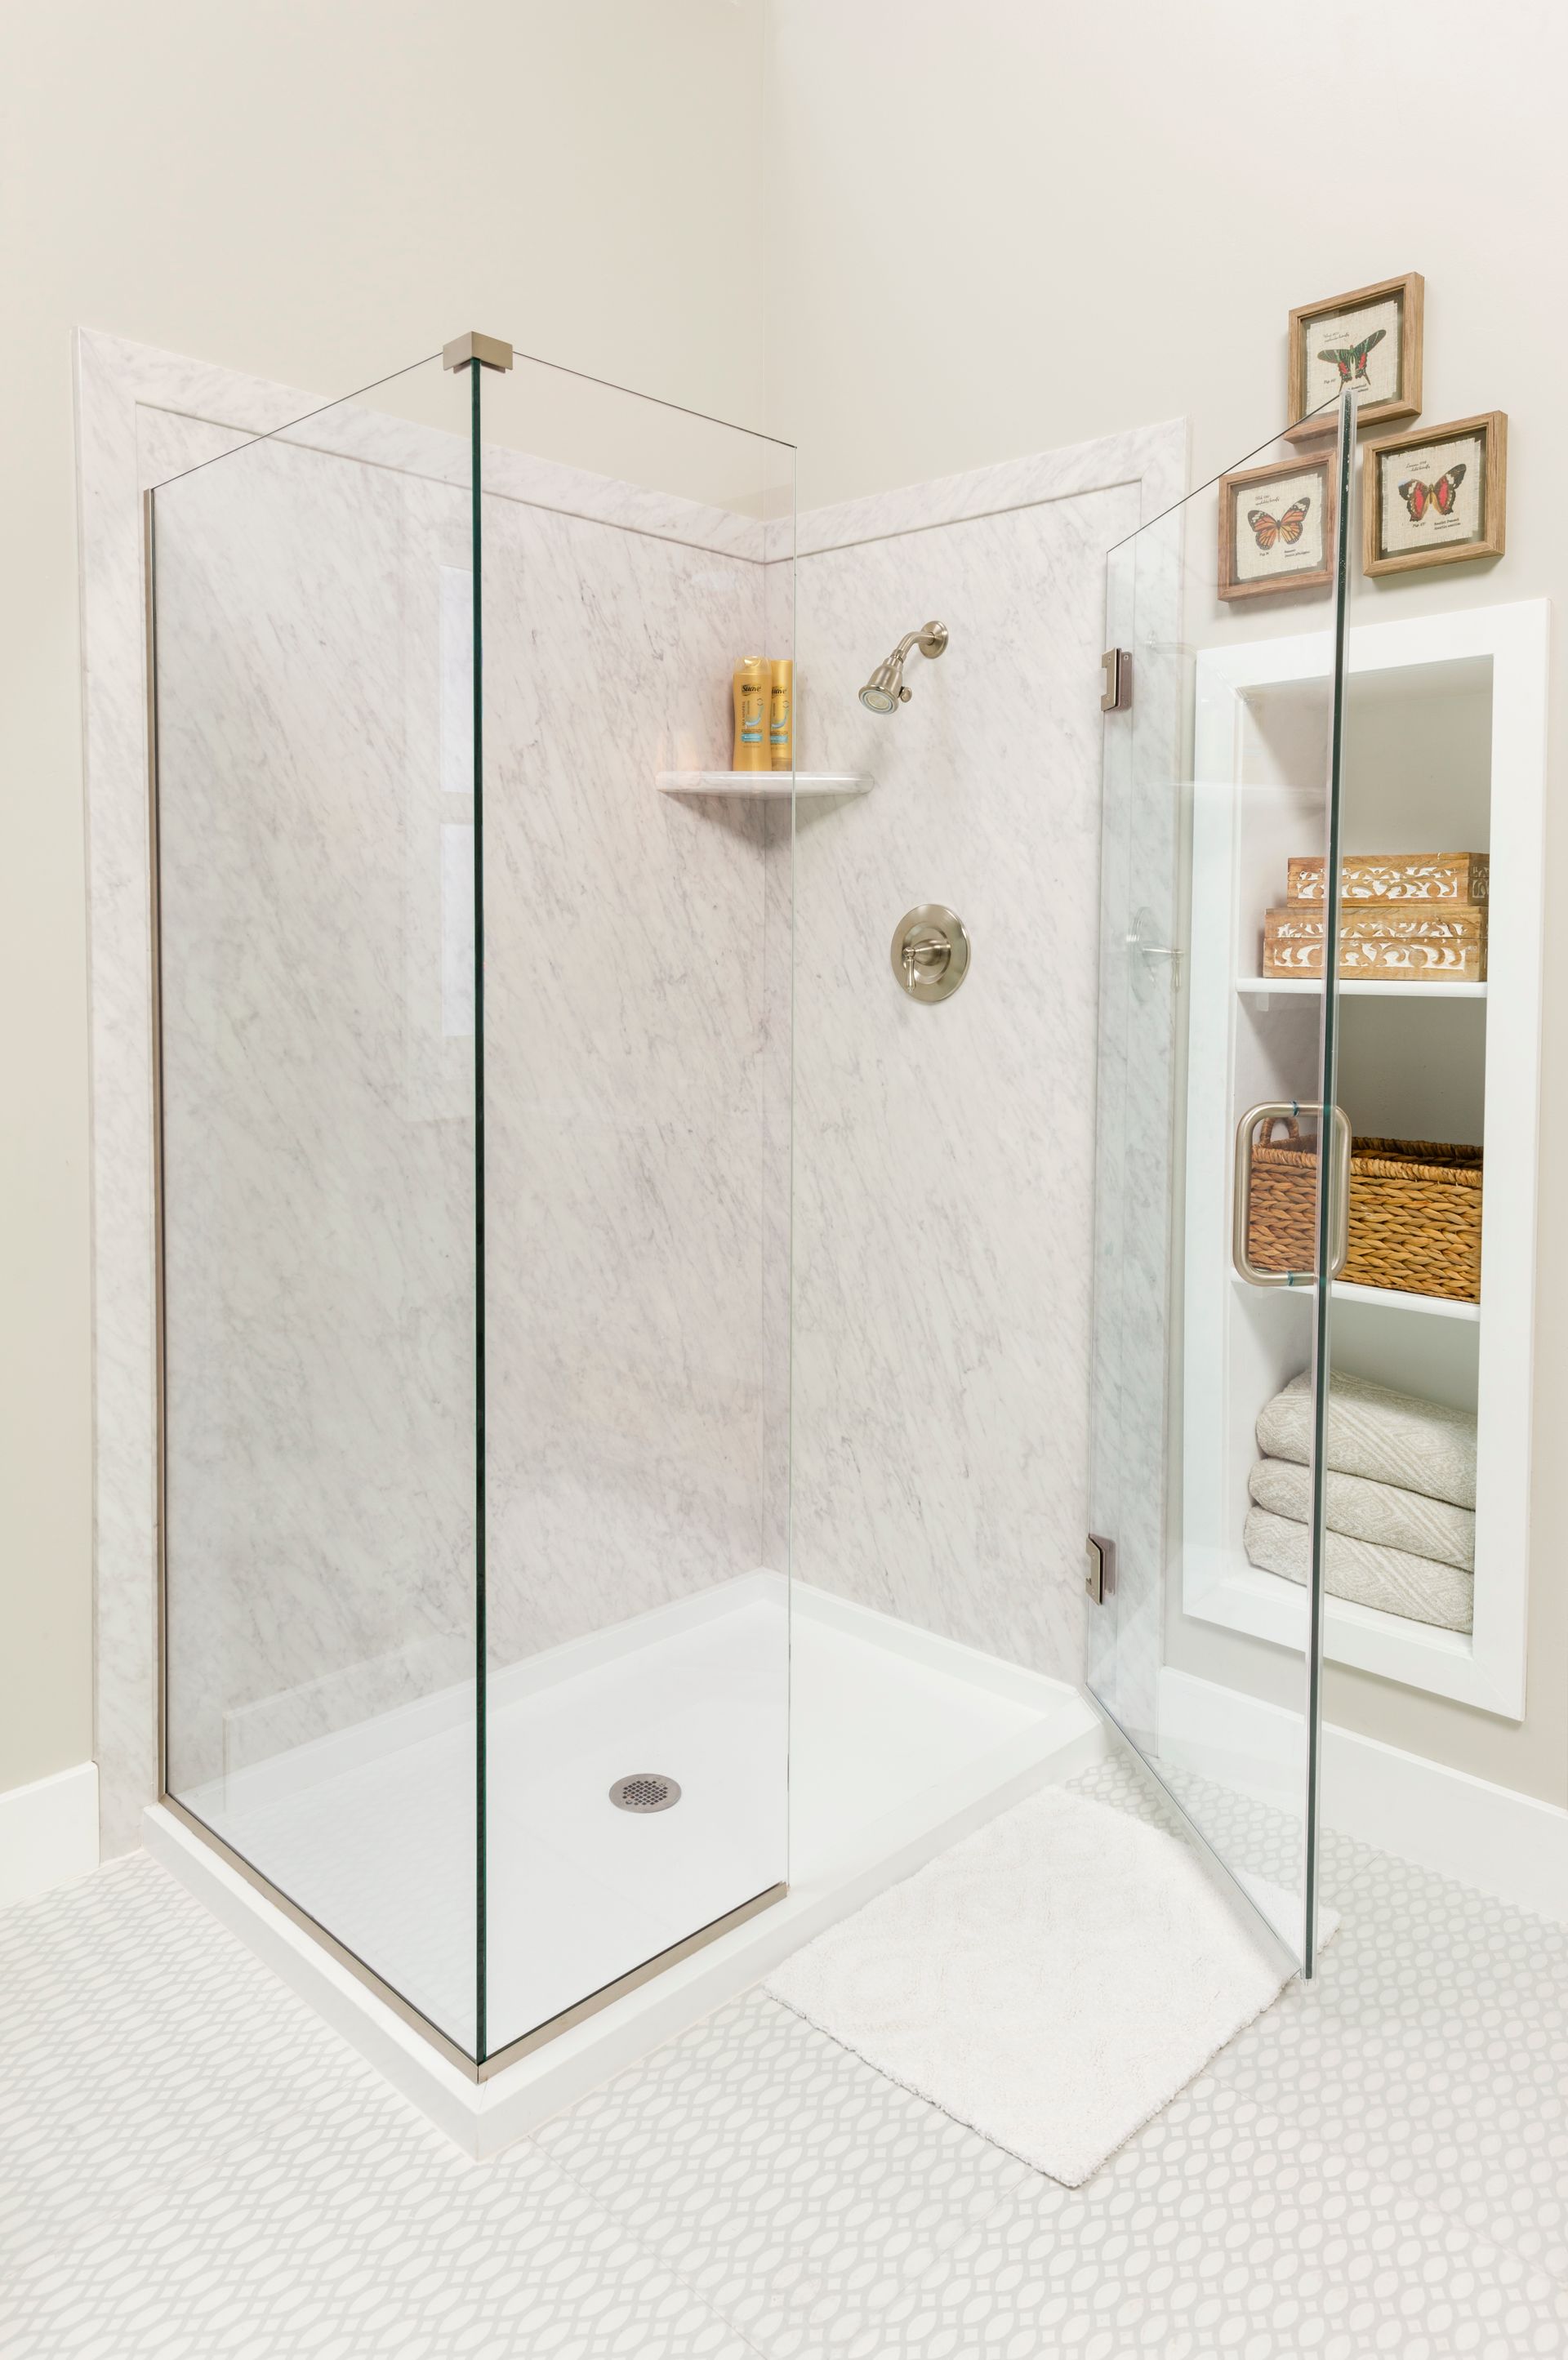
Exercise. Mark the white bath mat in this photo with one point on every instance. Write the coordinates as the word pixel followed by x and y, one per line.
pixel 1052 1981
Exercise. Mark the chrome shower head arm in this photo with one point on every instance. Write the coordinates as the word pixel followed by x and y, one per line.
pixel 885 691
pixel 930 638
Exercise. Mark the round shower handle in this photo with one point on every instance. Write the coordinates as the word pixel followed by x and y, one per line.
pixel 930 951
pixel 926 950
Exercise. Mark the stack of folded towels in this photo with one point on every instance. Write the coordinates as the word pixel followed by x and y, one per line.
pixel 1400 1498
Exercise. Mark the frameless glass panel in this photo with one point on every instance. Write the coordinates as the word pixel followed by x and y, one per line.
pixel 1214 1206
pixel 315 884
pixel 1435 920
pixel 637 921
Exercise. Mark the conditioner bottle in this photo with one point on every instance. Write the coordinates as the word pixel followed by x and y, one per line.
pixel 751 713
pixel 781 715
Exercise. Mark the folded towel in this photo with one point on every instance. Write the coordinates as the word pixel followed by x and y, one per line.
pixel 1417 1587
pixel 1391 1438
pixel 1365 1510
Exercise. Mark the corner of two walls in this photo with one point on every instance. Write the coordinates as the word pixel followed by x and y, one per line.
pixel 944 1153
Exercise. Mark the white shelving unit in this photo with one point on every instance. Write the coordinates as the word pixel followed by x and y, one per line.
pixel 1264 987
pixel 763 786
pixel 1445 751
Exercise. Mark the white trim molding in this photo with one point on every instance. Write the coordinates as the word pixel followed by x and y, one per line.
pixel 1512 1846
pixel 49 1833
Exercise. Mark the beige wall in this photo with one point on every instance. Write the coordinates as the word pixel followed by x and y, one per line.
pixel 991 230
pixel 997 229
pixel 318 193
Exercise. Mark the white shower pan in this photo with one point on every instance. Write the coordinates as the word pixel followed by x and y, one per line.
pixel 900 1743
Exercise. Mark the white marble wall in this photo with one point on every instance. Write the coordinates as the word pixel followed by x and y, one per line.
pixel 318 1131
pixel 637 1132
pixel 130 397
pixel 637 1084
pixel 1143 800
pixel 318 1084
pixel 945 1154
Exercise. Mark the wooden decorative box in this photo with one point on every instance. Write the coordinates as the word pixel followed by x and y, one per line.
pixel 1453 877
pixel 1418 943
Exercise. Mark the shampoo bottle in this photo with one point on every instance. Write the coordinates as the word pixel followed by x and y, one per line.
pixel 781 715
pixel 751 713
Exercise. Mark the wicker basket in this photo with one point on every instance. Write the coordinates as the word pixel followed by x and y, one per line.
pixel 1415 1212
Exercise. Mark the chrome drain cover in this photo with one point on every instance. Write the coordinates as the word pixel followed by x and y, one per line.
pixel 645 1790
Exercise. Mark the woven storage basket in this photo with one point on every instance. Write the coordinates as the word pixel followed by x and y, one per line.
pixel 1415 1212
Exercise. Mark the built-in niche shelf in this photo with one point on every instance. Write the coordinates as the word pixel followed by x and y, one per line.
pixel 764 785
pixel 1444 745
pixel 1264 987
pixel 1389 1298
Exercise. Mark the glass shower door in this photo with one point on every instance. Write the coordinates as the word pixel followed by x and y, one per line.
pixel 1216 1205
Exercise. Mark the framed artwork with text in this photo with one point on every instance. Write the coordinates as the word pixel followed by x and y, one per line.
pixel 1436 498
pixel 1276 527
pixel 1369 340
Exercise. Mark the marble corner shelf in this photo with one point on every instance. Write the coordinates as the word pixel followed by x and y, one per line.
pixel 759 785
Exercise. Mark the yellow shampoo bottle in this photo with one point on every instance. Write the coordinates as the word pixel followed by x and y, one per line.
pixel 781 715
pixel 751 713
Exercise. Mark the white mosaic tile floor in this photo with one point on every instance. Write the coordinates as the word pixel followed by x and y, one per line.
pixel 192 2167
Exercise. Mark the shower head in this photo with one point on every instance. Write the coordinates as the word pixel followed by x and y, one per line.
pixel 885 691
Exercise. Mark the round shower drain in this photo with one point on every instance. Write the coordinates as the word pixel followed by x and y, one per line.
pixel 645 1790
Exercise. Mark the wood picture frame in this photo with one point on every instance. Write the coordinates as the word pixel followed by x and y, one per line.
pixel 1326 355
pixel 1257 562
pixel 1407 521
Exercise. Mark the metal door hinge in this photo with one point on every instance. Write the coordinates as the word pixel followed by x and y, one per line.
pixel 1116 663
pixel 1100 1574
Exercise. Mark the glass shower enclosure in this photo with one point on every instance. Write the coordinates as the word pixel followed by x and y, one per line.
pixel 474 1098
pixel 1222 1155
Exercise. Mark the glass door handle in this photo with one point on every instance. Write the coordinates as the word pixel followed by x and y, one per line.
pixel 1286 1110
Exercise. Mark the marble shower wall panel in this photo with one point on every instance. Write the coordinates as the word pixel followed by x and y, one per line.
pixel 141 415
pixel 129 399
pixel 318 1121
pixel 1134 1445
pixel 319 1075
pixel 635 1134
pixel 945 1154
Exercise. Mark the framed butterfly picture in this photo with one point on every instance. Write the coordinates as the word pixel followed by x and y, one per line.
pixel 1369 339
pixel 1277 528
pixel 1436 498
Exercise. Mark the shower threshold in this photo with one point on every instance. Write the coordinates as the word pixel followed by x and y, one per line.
pixel 901 1742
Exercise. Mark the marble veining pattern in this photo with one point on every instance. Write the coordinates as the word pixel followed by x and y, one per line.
pixel 113 380
pixel 319 1136
pixel 144 417
pixel 944 1156
pixel 632 1140
pixel 1150 461
pixel 319 1176
pixel 1135 1088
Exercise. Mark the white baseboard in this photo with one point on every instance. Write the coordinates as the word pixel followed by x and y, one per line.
pixel 49 1833
pixel 1510 1846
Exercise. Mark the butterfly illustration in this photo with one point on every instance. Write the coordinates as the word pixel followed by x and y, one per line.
pixel 1351 359
pixel 1418 497
pixel 1267 530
